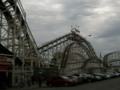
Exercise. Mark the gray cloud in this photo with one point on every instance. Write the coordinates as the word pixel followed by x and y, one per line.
pixel 49 19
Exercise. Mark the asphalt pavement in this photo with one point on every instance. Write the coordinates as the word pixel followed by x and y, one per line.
pixel 110 84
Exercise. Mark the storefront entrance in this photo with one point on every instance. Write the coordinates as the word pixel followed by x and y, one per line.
pixel 5 76
pixel 3 79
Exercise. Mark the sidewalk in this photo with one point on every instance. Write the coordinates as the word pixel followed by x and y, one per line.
pixel 27 88
pixel 24 88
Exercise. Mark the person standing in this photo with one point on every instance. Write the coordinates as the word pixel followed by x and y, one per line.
pixel 16 81
pixel 29 82
pixel 40 80
pixel 33 80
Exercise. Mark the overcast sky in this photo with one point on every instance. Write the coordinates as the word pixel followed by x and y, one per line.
pixel 49 19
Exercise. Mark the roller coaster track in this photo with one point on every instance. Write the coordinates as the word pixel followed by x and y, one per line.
pixel 70 37
pixel 15 34
pixel 111 57
pixel 63 44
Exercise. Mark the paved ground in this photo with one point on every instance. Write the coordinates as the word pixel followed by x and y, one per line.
pixel 25 88
pixel 111 84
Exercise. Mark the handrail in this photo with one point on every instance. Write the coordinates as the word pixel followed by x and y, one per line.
pixel 32 38
pixel 52 41
pixel 22 9
pixel 27 27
